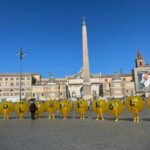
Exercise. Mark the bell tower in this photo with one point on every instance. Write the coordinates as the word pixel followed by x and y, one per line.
pixel 139 61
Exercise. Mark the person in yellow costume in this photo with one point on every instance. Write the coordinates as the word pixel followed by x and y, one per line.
pixel 6 107
pixel 81 107
pixel 148 102
pixel 134 104
pixel 40 109
pixel 52 107
pixel 64 108
pixel 1 107
pixel 99 107
pixel 21 108
pixel 115 108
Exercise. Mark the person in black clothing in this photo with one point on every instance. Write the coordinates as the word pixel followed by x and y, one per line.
pixel 33 109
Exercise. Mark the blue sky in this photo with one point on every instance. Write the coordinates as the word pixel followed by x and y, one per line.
pixel 49 31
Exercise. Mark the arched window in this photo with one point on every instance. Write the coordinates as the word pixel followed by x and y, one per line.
pixel 140 63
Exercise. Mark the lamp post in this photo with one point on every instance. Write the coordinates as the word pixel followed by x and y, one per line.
pixel 21 54
pixel 51 76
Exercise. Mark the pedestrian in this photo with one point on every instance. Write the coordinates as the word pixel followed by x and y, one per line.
pixel 33 109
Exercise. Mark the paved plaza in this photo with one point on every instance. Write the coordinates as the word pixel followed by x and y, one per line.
pixel 76 134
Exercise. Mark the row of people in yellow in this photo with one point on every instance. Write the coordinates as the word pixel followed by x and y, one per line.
pixel 134 104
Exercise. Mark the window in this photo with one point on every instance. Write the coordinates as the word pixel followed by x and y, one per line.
pixel 28 78
pixel 11 78
pixel 42 94
pixel 22 78
pixel 106 80
pixel 6 79
pixel 33 95
pixel 124 79
pixel 11 84
pixel 17 84
pixel 1 79
pixel 140 63
pixel 17 78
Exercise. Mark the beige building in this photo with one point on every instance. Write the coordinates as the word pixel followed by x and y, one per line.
pixel 10 85
pixel 34 86
pixel 82 85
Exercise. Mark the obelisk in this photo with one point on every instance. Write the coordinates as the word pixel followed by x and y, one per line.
pixel 86 72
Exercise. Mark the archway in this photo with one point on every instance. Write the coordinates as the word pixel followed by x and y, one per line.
pixel 81 92
pixel 73 94
pixel 94 95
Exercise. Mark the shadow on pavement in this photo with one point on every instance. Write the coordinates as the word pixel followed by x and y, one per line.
pixel 145 119
pixel 126 119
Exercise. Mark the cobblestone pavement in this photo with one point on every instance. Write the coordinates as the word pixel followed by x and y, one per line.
pixel 76 134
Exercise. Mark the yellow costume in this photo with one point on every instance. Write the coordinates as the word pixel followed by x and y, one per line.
pixel 99 107
pixel 134 104
pixel 81 106
pixel 1 108
pixel 21 108
pixel 6 108
pixel 51 107
pixel 65 107
pixel 115 108
pixel 40 109
pixel 148 102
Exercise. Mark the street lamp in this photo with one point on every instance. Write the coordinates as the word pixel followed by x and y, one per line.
pixel 21 54
pixel 51 76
